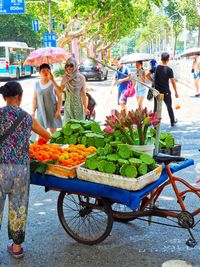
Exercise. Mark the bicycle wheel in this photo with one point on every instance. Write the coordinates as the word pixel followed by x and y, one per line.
pixel 86 219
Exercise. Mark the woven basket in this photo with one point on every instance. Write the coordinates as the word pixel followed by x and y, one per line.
pixel 61 171
pixel 131 184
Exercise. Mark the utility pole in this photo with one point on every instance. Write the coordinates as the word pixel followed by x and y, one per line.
pixel 49 11
pixel 198 13
pixel 183 17
pixel 49 15
pixel 184 30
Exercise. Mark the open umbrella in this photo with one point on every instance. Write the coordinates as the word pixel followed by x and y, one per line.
pixel 131 58
pixel 191 52
pixel 47 55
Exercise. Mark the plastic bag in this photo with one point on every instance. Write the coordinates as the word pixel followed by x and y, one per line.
pixel 177 105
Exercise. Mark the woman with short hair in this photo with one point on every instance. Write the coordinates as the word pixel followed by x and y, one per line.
pixel 15 131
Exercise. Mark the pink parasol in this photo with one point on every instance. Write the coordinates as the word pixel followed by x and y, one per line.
pixel 47 55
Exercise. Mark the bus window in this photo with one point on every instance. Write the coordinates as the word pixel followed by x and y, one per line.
pixel 24 54
pixel 2 52
pixel 14 56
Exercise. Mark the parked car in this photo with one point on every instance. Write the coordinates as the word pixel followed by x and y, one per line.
pixel 93 70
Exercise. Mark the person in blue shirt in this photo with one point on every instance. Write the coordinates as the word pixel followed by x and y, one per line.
pixel 122 78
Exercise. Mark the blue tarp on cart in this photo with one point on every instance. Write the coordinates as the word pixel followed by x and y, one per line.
pixel 131 199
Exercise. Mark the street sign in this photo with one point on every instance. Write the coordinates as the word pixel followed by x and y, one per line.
pixel 49 39
pixel 12 7
pixel 35 24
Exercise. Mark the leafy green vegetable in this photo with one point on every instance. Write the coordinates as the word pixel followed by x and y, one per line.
pixel 73 140
pixel 125 154
pixel 122 169
pixel 146 158
pixel 75 127
pixel 55 135
pixel 95 127
pixel 101 165
pixel 142 169
pixel 136 162
pixel 112 157
pixel 109 167
pixel 60 140
pixel 67 130
pixel 91 163
pixel 131 171
pixel 122 161
pixel 37 166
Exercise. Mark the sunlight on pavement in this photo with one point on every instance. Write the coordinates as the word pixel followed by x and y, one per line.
pixel 176 263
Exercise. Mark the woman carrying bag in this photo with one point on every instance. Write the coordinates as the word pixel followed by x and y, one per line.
pixel 15 131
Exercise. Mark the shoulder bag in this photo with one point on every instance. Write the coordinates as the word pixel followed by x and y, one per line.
pixel 150 91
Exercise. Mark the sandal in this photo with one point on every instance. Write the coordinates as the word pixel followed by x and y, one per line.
pixel 16 255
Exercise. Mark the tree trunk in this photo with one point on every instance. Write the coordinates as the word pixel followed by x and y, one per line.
pixel 199 34
pixel 175 41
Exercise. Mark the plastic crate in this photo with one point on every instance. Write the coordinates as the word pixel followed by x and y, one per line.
pixel 61 171
pixel 174 151
pixel 131 184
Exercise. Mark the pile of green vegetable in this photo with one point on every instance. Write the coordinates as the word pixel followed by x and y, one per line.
pixel 166 140
pixel 116 158
pixel 117 135
pixel 75 132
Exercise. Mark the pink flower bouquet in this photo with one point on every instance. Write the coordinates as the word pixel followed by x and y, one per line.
pixel 133 125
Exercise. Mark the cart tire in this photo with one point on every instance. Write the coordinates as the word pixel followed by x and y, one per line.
pixel 86 219
pixel 122 213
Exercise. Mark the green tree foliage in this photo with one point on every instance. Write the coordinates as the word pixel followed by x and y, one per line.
pixel 107 21
pixel 156 26
pixel 190 9
pixel 40 10
pixel 18 28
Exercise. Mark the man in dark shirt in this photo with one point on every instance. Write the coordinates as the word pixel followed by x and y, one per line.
pixel 162 75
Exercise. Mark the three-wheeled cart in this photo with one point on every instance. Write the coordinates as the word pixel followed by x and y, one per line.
pixel 86 209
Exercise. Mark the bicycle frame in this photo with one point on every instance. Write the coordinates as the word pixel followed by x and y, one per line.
pixel 179 194
pixel 184 218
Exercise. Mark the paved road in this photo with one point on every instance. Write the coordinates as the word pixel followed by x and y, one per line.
pixel 134 244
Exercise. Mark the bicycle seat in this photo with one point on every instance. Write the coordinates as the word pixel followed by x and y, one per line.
pixel 160 157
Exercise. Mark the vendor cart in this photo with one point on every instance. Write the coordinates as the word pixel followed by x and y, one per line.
pixel 86 209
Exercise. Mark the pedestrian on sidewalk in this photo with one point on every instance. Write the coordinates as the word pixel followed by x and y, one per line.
pixel 47 100
pixel 15 131
pixel 141 89
pixel 164 74
pixel 196 74
pixel 74 86
pixel 122 79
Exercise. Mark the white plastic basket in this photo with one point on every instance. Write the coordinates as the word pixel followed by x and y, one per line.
pixel 131 184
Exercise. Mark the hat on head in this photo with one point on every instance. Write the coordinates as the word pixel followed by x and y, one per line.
pixel 153 63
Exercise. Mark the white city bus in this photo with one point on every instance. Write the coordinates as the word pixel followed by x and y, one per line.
pixel 12 57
